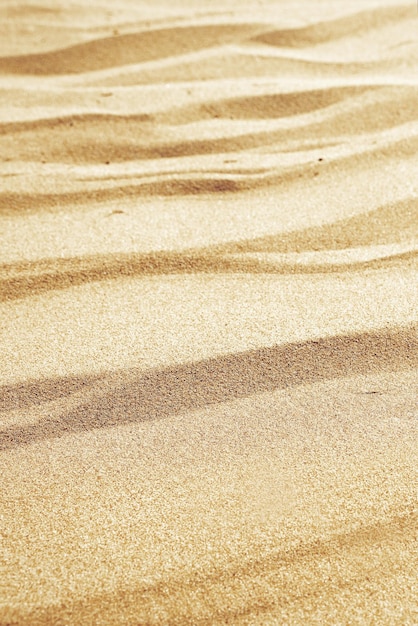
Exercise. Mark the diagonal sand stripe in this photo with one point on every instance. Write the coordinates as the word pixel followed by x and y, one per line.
pixel 162 393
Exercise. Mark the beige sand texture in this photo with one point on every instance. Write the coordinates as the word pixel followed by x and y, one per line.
pixel 208 312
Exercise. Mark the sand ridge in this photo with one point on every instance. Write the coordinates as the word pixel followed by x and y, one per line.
pixel 208 312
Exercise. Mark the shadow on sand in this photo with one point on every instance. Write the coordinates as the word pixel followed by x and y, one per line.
pixel 135 396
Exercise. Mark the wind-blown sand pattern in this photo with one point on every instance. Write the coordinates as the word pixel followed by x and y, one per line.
pixel 209 312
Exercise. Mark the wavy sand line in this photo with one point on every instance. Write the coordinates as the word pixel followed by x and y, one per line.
pixel 67 273
pixel 130 48
pixel 145 46
pixel 81 121
pixel 325 32
pixel 75 138
pixel 389 224
pixel 394 105
pixel 30 393
pixel 184 185
pixel 268 106
pixel 243 64
pixel 159 394
pixel 210 594
pixel 80 150
pixel 125 49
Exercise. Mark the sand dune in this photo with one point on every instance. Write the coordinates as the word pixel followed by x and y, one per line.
pixel 208 307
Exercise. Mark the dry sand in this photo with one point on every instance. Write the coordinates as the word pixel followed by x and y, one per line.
pixel 209 312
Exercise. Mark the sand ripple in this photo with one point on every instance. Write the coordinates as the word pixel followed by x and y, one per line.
pixel 208 307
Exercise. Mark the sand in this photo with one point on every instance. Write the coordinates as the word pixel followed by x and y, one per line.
pixel 208 312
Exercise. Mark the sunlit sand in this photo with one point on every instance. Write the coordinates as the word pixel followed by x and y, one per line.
pixel 208 312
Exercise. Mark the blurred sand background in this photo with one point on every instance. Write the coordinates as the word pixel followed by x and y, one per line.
pixel 209 312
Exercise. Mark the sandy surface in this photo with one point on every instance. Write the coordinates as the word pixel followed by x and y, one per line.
pixel 209 312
